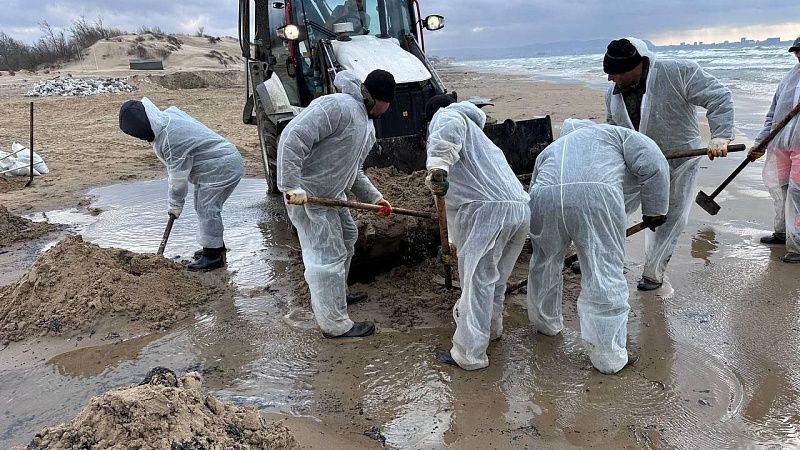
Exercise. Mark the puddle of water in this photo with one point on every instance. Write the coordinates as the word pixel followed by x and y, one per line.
pixel 246 350
pixel 704 379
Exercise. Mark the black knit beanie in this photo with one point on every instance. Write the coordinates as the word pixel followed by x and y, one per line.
pixel 795 45
pixel 620 57
pixel 134 122
pixel 380 85
pixel 436 103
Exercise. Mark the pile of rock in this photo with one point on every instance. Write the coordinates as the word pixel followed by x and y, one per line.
pixel 67 86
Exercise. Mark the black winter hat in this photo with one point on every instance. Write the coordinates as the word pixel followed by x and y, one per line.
pixel 380 85
pixel 436 103
pixel 795 45
pixel 134 122
pixel 620 57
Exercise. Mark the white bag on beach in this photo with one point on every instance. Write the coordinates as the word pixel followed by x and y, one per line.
pixel 23 157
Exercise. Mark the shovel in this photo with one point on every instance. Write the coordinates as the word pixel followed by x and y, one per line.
pixel 515 286
pixel 707 201
pixel 443 237
pixel 368 207
pixel 672 155
pixel 628 233
pixel 165 238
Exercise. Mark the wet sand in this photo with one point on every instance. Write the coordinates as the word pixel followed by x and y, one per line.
pixel 719 344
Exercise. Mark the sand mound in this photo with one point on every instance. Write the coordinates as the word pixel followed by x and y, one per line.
pixel 14 228
pixel 185 52
pixel 78 287
pixel 412 296
pixel 199 79
pixel 386 242
pixel 165 413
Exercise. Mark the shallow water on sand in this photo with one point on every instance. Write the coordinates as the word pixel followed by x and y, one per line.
pixel 719 366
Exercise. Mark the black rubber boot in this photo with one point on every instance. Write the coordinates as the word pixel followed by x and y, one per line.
pixel 774 239
pixel 444 357
pixel 576 267
pixel 356 297
pixel 199 253
pixel 646 284
pixel 791 258
pixel 212 258
pixel 359 329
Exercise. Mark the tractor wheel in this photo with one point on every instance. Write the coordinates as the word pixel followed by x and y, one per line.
pixel 269 151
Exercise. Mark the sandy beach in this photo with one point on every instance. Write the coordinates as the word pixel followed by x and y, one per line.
pixel 718 343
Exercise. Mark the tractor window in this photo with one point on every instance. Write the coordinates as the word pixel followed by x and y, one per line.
pixel 353 11
pixel 398 20
pixel 365 16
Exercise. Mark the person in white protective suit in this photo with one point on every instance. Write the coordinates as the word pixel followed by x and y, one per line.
pixel 578 196
pixel 782 168
pixel 658 98
pixel 352 11
pixel 321 153
pixel 487 220
pixel 195 154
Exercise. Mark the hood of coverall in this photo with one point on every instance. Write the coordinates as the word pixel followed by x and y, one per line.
pixel 347 83
pixel 470 111
pixel 642 48
pixel 158 120
pixel 571 125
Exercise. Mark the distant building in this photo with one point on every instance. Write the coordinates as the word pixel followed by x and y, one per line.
pixel 743 40
pixel 773 40
pixel 683 44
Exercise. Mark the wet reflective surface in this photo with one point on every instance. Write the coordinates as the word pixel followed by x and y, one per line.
pixel 719 346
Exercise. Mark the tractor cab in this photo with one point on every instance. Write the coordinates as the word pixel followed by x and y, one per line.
pixel 300 45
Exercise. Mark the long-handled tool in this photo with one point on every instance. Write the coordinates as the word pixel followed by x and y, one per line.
pixel 165 238
pixel 628 233
pixel 707 201
pixel 30 180
pixel 517 285
pixel 368 207
pixel 732 148
pixel 443 237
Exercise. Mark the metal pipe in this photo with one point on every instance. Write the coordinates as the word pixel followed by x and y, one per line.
pixel 30 181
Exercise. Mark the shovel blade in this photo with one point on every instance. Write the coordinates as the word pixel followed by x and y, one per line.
pixel 707 203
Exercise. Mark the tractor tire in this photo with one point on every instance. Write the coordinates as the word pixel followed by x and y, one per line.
pixel 269 151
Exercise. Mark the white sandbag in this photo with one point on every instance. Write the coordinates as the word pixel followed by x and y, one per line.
pixel 24 158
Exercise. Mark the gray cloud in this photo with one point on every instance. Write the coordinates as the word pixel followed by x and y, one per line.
pixel 470 23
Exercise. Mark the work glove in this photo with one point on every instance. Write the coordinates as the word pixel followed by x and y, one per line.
pixel 753 154
pixel 437 182
pixel 296 196
pixel 718 148
pixel 175 212
pixel 386 207
pixel 654 222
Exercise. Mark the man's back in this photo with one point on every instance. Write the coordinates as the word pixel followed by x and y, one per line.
pixel 481 172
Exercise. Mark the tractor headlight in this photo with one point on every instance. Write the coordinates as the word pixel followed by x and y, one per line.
pixel 289 32
pixel 434 22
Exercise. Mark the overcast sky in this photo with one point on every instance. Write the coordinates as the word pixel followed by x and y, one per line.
pixel 469 23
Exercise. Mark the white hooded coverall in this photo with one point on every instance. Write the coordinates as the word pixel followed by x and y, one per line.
pixel 668 116
pixel 194 153
pixel 782 166
pixel 487 218
pixel 322 151
pixel 577 196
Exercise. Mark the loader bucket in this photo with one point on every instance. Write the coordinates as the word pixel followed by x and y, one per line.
pixel 520 141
